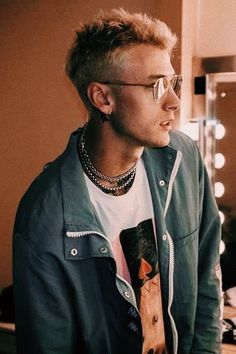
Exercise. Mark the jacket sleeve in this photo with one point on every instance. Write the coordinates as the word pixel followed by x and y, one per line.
pixel 45 303
pixel 207 337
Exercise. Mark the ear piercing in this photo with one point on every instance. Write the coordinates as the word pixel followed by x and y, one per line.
pixel 105 117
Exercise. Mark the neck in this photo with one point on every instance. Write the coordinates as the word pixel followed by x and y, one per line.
pixel 109 152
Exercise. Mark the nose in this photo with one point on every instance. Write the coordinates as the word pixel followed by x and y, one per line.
pixel 172 101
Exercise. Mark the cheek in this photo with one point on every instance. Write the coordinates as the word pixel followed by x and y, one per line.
pixel 136 113
pixel 135 108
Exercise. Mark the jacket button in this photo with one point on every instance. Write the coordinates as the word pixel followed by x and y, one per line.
pixel 127 294
pixel 103 250
pixel 74 252
pixel 164 237
pixel 162 183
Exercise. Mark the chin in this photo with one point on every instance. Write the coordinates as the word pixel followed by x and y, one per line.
pixel 160 141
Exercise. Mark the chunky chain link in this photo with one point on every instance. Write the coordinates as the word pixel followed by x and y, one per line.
pixel 124 180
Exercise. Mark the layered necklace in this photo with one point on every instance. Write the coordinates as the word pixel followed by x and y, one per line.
pixel 117 183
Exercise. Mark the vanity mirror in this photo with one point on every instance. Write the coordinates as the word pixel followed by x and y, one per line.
pixel 218 144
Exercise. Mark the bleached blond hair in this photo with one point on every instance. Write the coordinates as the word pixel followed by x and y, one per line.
pixel 95 53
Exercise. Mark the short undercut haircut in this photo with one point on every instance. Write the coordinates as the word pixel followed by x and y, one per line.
pixel 95 53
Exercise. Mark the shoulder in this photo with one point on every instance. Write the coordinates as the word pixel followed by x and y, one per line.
pixel 46 187
pixel 41 208
pixel 44 184
pixel 41 204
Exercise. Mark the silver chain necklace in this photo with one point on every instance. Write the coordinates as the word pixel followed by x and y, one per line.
pixel 124 180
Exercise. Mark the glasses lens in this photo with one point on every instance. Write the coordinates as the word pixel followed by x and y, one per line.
pixel 161 86
pixel 175 83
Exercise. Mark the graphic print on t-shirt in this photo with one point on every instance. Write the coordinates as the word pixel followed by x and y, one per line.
pixel 139 248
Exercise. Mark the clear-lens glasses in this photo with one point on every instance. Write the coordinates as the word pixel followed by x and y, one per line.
pixel 160 87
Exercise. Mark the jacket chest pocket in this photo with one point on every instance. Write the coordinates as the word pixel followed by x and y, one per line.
pixel 79 246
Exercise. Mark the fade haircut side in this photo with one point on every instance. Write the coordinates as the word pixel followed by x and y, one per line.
pixel 94 55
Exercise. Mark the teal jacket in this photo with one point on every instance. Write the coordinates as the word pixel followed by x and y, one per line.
pixel 68 296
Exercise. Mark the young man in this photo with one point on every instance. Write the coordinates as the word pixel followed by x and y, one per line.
pixel 116 242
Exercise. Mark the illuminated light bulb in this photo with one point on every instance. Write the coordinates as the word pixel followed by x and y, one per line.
pixel 219 131
pixel 192 130
pixel 219 160
pixel 219 189
pixel 222 217
pixel 222 246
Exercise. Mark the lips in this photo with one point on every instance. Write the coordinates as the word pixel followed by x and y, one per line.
pixel 165 123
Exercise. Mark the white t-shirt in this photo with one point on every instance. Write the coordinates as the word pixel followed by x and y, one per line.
pixel 123 212
pixel 128 222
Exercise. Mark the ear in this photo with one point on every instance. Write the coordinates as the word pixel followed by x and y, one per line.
pixel 100 97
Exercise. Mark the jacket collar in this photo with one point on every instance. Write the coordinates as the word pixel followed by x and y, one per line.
pixel 79 212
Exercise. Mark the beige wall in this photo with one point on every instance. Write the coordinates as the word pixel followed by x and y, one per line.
pixel 39 107
pixel 189 18
pixel 208 30
pixel 216 28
